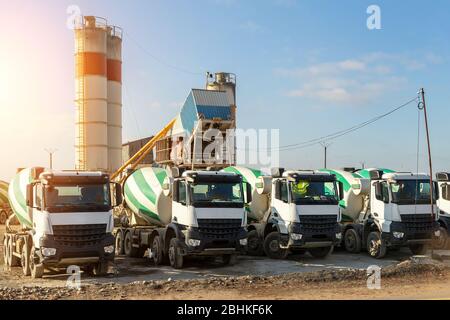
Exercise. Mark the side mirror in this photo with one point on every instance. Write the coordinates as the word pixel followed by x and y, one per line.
pixel 341 190
pixel 175 191
pixel 118 193
pixel 30 195
pixel 248 191
pixel 277 186
pixel 378 193
pixel 436 190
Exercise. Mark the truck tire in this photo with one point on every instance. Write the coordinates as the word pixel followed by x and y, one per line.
pixel 321 252
pixel 418 249
pixel 157 250
pixel 376 247
pixel 175 258
pixel 352 241
pixel 25 260
pixel 3 216
pixel 13 260
pixel 128 248
pixel 441 242
pixel 254 244
pixel 119 243
pixel 36 269
pixel 228 259
pixel 100 269
pixel 272 246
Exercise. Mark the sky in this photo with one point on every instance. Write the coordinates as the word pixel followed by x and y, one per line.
pixel 307 68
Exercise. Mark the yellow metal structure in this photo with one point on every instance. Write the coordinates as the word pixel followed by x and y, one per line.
pixel 140 155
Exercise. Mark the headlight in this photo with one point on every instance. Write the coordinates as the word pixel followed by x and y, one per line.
pixel 398 235
pixel 193 242
pixel 437 233
pixel 243 242
pixel 47 252
pixel 296 236
pixel 339 235
pixel 109 249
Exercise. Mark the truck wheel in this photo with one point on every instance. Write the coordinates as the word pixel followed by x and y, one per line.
pixel 119 243
pixel 36 269
pixel 157 250
pixel 175 257
pixel 6 253
pixel 254 245
pixel 352 241
pixel 441 242
pixel 129 250
pixel 321 252
pixel 272 246
pixel 228 259
pixel 3 217
pixel 13 260
pixel 375 246
pixel 25 259
pixel 100 269
pixel 418 249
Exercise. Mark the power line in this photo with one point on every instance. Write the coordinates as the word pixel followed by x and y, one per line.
pixel 340 133
pixel 157 59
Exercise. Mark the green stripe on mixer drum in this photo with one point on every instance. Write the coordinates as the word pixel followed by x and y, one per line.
pixel 145 188
pixel 138 205
pixel 160 175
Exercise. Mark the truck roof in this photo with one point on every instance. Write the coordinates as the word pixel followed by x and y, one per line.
pixel 290 173
pixel 73 173
pixel 405 176
pixel 208 173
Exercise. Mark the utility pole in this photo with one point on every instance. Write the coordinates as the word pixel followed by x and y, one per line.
pixel 50 153
pixel 363 164
pixel 422 105
pixel 325 146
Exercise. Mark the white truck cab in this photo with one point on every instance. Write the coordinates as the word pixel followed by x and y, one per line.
pixel 397 212
pixel 303 213
pixel 70 222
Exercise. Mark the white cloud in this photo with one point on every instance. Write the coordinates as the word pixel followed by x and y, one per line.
pixel 354 81
pixel 251 26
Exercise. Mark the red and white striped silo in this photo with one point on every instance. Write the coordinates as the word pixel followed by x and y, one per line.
pixel 114 72
pixel 91 89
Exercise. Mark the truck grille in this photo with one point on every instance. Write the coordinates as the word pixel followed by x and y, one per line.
pixel 318 224
pixel 77 235
pixel 219 228
pixel 417 226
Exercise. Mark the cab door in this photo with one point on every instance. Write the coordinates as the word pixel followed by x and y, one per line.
pixel 281 203
pixel 180 203
pixel 380 202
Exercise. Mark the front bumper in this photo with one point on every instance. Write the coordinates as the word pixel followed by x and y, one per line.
pixel 210 245
pixel 76 255
pixel 310 238
pixel 411 235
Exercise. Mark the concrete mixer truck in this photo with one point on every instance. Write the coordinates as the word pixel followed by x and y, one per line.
pixel 384 209
pixel 5 209
pixel 178 214
pixel 291 211
pixel 65 219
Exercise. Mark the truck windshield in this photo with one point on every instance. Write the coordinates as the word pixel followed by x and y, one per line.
pixel 411 192
pixel 314 192
pixel 80 197
pixel 217 194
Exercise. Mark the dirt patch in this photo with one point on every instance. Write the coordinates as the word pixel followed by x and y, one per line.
pixel 315 285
